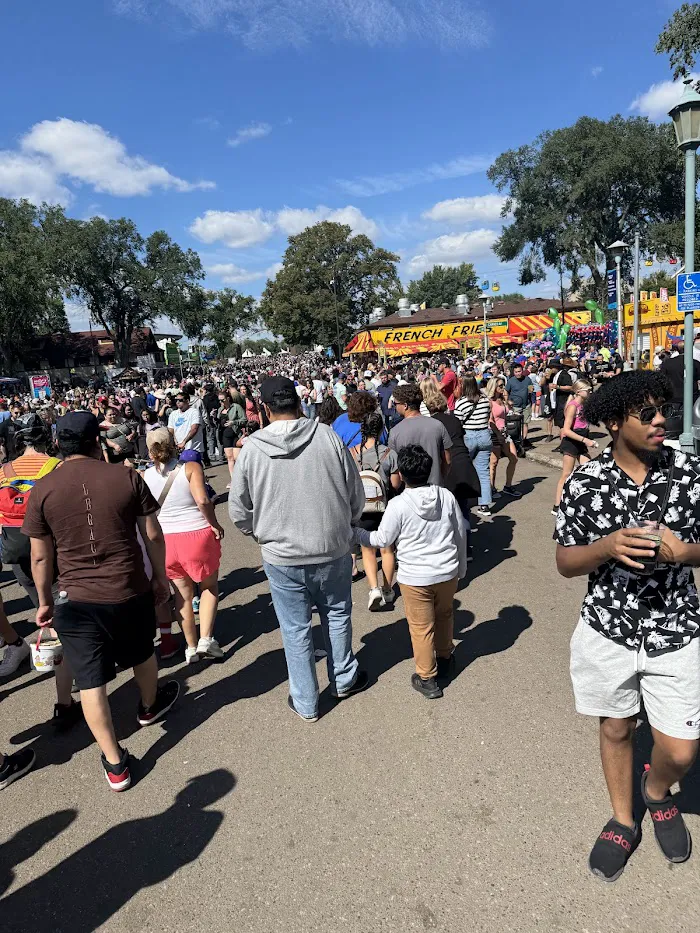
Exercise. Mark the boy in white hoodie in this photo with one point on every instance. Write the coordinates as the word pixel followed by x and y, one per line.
pixel 427 526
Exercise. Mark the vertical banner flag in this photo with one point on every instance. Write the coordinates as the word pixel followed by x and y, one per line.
pixel 611 277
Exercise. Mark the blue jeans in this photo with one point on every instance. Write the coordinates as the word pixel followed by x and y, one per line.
pixel 479 445
pixel 294 591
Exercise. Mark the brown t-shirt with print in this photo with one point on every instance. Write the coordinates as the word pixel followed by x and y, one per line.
pixel 90 509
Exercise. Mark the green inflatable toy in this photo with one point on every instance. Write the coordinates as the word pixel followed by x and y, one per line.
pixel 556 320
pixel 597 312
pixel 563 336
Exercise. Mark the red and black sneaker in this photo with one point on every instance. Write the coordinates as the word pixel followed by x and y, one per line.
pixel 118 776
pixel 669 826
pixel 169 645
pixel 612 850
pixel 165 697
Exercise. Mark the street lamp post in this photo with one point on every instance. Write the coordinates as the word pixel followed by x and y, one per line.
pixel 686 123
pixel 616 249
pixel 486 302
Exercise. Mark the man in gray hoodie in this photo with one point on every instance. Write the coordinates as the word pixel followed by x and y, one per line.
pixel 296 490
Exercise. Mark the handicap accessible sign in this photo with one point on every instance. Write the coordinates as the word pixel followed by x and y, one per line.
pixel 689 292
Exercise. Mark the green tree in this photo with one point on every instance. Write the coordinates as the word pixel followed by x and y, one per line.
pixel 226 312
pixel 31 280
pixel 126 281
pixel 511 297
pixel 326 270
pixel 576 190
pixel 657 280
pixel 441 285
pixel 680 39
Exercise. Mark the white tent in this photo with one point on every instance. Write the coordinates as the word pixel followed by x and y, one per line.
pixel 247 354
pixel 265 352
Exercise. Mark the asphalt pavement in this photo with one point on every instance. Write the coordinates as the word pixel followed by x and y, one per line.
pixel 475 812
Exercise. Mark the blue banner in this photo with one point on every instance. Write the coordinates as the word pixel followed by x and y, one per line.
pixel 611 277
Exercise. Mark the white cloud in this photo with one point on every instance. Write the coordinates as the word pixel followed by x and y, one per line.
pixel 23 176
pixel 233 228
pixel 238 229
pixel 270 24
pixel 452 249
pixel 367 186
pixel 231 274
pixel 482 208
pixel 658 100
pixel 87 153
pixel 290 220
pixel 248 133
pixel 596 71
pixel 56 151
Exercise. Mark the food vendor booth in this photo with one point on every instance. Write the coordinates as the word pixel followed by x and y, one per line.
pixel 434 330
pixel 660 325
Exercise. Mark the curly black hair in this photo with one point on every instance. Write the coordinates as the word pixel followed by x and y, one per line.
pixel 409 395
pixel 627 392
pixel 329 410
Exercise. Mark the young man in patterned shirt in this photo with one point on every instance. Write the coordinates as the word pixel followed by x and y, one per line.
pixel 637 637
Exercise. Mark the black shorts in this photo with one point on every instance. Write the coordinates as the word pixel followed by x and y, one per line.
pixel 96 637
pixel 370 521
pixel 229 438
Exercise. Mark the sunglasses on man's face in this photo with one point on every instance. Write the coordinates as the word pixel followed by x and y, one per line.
pixel 647 414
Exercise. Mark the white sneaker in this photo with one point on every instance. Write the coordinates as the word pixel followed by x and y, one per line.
pixel 14 655
pixel 191 655
pixel 376 600
pixel 388 595
pixel 209 648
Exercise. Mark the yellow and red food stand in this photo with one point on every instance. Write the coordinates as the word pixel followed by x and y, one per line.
pixel 659 321
pixel 406 339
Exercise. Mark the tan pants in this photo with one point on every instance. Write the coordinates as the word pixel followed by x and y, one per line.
pixel 430 615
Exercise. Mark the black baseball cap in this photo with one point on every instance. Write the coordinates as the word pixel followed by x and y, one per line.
pixel 278 390
pixel 78 424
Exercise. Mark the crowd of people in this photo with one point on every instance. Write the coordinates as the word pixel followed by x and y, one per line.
pixel 110 526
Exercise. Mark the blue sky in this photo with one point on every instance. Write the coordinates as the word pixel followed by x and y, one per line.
pixel 233 123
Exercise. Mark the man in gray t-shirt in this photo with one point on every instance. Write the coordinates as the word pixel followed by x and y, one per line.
pixel 417 429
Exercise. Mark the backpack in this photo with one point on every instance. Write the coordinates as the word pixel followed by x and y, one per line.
pixel 374 486
pixel 14 496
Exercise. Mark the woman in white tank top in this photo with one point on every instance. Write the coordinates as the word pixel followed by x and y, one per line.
pixel 192 540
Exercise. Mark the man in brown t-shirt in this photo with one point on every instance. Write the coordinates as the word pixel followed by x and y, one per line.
pixel 85 515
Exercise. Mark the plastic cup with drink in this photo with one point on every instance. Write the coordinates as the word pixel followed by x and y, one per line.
pixel 653 533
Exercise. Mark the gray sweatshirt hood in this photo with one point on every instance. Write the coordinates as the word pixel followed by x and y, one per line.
pixel 284 438
pixel 425 501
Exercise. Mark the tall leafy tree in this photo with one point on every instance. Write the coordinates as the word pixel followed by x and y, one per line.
pixel 574 191
pixel 512 297
pixel 31 276
pixel 226 313
pixel 657 280
pixel 680 39
pixel 441 285
pixel 126 281
pixel 327 270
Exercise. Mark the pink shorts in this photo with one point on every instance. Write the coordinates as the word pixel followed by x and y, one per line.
pixel 193 554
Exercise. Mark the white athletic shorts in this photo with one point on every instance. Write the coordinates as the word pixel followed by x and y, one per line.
pixel 611 680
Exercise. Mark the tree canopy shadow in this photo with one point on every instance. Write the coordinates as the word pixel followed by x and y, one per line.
pixel 84 890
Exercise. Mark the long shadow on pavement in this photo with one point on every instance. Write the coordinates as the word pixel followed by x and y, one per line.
pixel 28 841
pixel 84 890
pixel 388 645
pixel 491 544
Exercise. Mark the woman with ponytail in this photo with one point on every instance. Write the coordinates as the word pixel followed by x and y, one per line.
pixel 192 540
pixel 375 459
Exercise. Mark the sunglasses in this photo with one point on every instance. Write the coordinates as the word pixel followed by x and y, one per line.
pixel 647 414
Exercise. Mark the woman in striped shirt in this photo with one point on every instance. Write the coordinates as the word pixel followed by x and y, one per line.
pixel 474 411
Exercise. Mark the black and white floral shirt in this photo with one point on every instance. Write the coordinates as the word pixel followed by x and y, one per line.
pixel 660 611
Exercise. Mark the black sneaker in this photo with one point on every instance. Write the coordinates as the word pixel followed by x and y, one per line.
pixel 118 776
pixel 483 510
pixel 165 697
pixel 290 704
pixel 512 492
pixel 669 826
pixel 555 510
pixel 360 683
pixel 64 717
pixel 446 668
pixel 613 849
pixel 428 688
pixel 15 766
